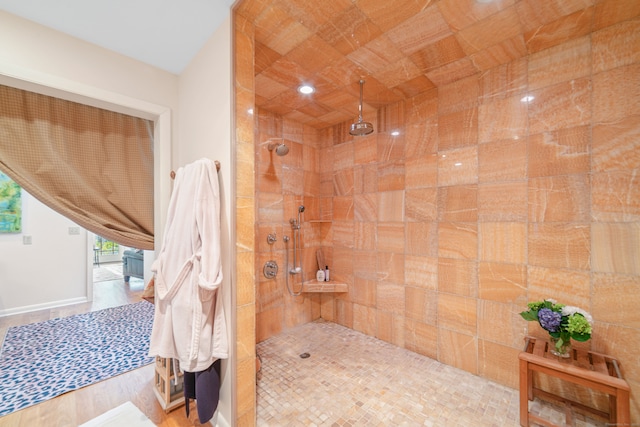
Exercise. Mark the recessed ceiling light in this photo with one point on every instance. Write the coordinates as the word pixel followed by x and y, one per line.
pixel 484 1
pixel 457 164
pixel 306 89
pixel 527 98
pixel 395 133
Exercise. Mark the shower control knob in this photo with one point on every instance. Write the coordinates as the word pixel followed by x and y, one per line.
pixel 270 269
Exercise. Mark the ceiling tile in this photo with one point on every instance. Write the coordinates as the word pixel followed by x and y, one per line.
pixel 403 49
pixel 420 30
pixel 389 14
pixel 496 28
pixel 349 30
pixel 437 54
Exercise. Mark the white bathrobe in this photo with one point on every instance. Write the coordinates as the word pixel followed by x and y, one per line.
pixel 189 323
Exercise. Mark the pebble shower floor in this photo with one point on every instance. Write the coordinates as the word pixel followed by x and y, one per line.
pixel 351 379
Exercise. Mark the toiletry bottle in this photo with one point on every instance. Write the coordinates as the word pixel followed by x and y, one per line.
pixel 326 273
pixel 320 275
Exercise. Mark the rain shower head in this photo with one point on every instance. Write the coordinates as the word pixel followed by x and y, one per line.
pixel 361 128
pixel 280 148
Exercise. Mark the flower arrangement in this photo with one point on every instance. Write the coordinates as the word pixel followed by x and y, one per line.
pixel 563 322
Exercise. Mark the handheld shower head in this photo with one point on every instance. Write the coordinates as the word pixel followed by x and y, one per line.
pixel 280 148
pixel 301 208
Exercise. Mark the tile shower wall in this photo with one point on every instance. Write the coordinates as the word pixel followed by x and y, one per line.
pixel 480 203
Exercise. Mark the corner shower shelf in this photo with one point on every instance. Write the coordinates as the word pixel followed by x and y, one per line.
pixel 330 286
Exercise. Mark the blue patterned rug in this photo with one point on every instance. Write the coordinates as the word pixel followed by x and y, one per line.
pixel 43 360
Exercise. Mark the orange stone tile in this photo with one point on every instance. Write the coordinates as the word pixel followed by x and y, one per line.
pixel 458 350
pixel 343 208
pixel 343 156
pixel 560 106
pixel 615 196
pixel 459 95
pixel 365 235
pixel 502 202
pixel 562 63
pixel 422 238
pixel 500 323
pixel 390 237
pixel 490 31
pixel 616 248
pixel 616 94
pixel 364 319
pixel 458 129
pixel 464 13
pixel 459 166
pixel 560 31
pixel 458 203
pixel 503 242
pixel 503 81
pixel 364 266
pixel 365 179
pixel 560 245
pixel 390 267
pixel 421 338
pixel 620 291
pixel 421 138
pixel 390 206
pixel 500 282
pixel 498 363
pixel 559 198
pixel 504 160
pixel 348 30
pixel 279 31
pixel 422 29
pixel 610 12
pixel 457 313
pixel 390 328
pixel 502 119
pixel 501 53
pixel 365 151
pixel 376 55
pixel 390 297
pixel 421 171
pixel 421 305
pixel 534 14
pixel 343 182
pixel 452 72
pixel 390 147
pixel 343 234
pixel 437 54
pixel 458 276
pixel 458 240
pixel 616 46
pixel 391 175
pixel 560 152
pixel 388 15
pixel 363 291
pixel 421 271
pixel 366 207
pixel 420 204
pixel 615 146
pixel 569 287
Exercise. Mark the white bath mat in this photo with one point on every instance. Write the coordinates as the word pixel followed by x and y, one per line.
pixel 125 415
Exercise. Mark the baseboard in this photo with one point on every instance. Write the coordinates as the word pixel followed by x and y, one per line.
pixel 220 421
pixel 43 306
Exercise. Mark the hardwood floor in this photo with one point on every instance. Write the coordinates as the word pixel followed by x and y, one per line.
pixel 77 407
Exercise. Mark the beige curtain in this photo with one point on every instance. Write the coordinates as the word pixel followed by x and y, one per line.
pixel 91 165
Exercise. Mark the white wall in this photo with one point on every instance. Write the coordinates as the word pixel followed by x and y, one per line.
pixel 205 125
pixel 31 276
pixel 43 60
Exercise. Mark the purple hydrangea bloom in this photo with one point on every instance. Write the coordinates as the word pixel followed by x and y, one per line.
pixel 550 320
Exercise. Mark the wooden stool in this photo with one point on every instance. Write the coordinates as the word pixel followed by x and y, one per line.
pixel 586 368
